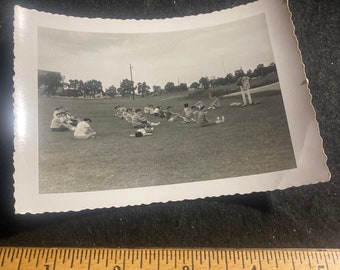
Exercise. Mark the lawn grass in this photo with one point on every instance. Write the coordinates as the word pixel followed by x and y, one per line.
pixel 254 139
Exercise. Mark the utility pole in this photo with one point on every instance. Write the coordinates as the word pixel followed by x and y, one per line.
pixel 133 89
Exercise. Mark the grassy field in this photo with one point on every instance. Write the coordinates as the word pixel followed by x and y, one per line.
pixel 254 139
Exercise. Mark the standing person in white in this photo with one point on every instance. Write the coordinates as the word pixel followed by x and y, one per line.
pixel 84 130
pixel 245 86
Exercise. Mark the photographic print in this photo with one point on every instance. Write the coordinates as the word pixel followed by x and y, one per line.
pixel 108 77
pixel 130 112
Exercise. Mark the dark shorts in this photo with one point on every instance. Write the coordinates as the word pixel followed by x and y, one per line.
pixel 140 126
pixel 59 129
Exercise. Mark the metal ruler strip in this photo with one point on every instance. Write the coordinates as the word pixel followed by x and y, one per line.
pixel 168 259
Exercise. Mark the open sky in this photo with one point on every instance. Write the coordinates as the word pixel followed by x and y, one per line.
pixel 156 58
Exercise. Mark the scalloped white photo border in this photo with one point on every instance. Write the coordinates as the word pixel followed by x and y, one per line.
pixel 307 143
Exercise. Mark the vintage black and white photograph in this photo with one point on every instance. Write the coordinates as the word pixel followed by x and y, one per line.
pixel 156 109
pixel 199 104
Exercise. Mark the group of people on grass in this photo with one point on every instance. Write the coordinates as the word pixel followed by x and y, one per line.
pixel 138 119
pixel 63 120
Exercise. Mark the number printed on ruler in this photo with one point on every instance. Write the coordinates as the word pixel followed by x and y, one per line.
pixel 168 259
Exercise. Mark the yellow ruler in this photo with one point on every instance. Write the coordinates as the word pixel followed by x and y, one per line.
pixel 168 259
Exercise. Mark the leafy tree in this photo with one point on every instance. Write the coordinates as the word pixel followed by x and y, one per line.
pixel 271 68
pixel 249 73
pixel 213 82
pixel 111 91
pixel 194 85
pixel 92 87
pixel 239 73
pixel 75 87
pixel 127 87
pixel 157 89
pixel 204 81
pixel 183 87
pixel 259 71
pixel 230 78
pixel 169 87
pixel 143 89
pixel 50 81
pixel 220 81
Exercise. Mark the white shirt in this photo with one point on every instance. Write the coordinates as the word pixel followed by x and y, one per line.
pixel 82 129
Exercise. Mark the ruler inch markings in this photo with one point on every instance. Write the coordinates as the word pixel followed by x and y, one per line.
pixel 276 262
pixel 326 262
pixel 293 264
pixel 3 258
pixel 159 259
pixel 12 257
pixel 37 263
pixel 333 258
pixel 89 263
pixel 309 262
pixel 192 260
pixel 107 259
pixel 55 259
pixel 226 260
pixel 20 260
pixel 242 259
pixel 260 260
pixel 141 260
pixel 124 256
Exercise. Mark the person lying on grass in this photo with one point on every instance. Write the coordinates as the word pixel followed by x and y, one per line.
pixel 84 130
pixel 203 121
pixel 141 132
pixel 59 123
pixel 140 121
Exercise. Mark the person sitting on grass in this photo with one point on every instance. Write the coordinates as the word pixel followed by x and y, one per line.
pixel 59 123
pixel 199 104
pixel 157 111
pixel 84 130
pixel 151 109
pixel 127 115
pixel 146 109
pixel 203 121
pixel 70 119
pixel 140 121
pixel 161 112
pixel 215 104
pixel 119 111
pixel 188 114
pixel 58 110
pixel 171 116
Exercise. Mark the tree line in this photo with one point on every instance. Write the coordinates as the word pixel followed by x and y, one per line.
pixel 54 84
